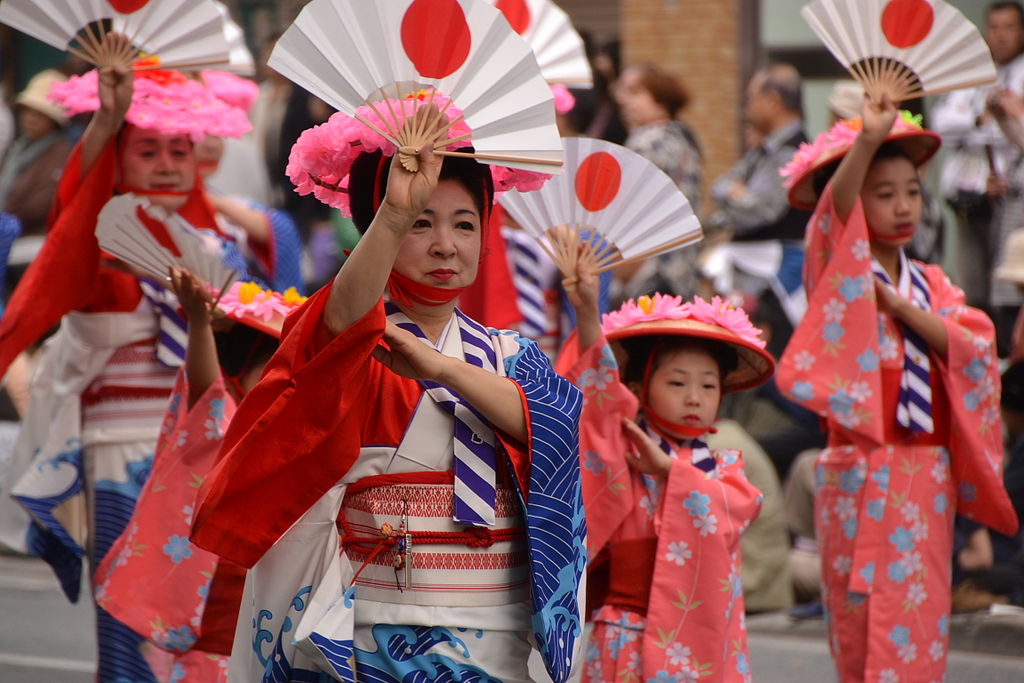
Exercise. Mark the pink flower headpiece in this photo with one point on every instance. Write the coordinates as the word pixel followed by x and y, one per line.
pixel 166 101
pixel 322 157
pixel 564 100
pixel 263 309
pixel 833 144
pixel 663 315
pixel 663 307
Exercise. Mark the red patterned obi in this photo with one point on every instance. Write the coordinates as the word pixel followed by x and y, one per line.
pixel 398 532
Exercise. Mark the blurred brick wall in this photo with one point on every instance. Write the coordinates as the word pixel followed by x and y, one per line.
pixel 698 41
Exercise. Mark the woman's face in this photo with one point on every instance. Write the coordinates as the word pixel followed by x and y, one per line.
pixel 891 196
pixel 636 103
pixel 443 247
pixel 158 162
pixel 686 388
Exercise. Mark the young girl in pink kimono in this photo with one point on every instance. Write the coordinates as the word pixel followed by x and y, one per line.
pixel 664 513
pixel 182 599
pixel 907 379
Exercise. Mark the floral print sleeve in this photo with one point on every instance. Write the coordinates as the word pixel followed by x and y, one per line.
pixel 607 489
pixel 156 541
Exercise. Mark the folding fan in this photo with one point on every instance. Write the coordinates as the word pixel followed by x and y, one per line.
pixel 240 58
pixel 353 53
pixel 610 206
pixel 153 239
pixel 549 31
pixel 177 33
pixel 902 48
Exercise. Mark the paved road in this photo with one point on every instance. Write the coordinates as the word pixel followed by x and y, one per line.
pixel 45 639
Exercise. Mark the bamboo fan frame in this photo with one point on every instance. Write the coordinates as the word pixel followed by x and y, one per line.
pixel 428 124
pixel 145 253
pixel 571 245
pixel 104 48
pixel 880 76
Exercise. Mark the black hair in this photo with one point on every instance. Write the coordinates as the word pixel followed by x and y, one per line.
pixel 363 181
pixel 240 348
pixel 886 151
pixel 1012 396
pixel 1006 4
pixel 639 348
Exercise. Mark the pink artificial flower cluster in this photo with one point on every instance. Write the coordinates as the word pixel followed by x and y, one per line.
pixel 564 100
pixel 249 300
pixel 836 141
pixel 236 91
pixel 663 307
pixel 166 101
pixel 322 157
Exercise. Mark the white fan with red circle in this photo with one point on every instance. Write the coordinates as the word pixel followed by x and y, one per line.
pixel 154 239
pixel 611 206
pixel 902 48
pixel 549 31
pixel 180 34
pixel 354 53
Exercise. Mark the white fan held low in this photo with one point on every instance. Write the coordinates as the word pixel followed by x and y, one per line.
pixel 902 48
pixel 154 240
pixel 353 53
pixel 610 206
pixel 180 34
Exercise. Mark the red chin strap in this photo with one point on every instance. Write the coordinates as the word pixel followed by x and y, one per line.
pixel 124 189
pixel 408 292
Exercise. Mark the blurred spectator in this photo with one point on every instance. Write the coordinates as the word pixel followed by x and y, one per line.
pixel 605 122
pixel 649 100
pixel 844 101
pixel 267 116
pixel 6 126
pixel 804 560
pixel 1011 269
pixel 979 149
pixel 32 166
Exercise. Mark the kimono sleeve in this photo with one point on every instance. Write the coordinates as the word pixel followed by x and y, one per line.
pixel 831 364
pixel 607 484
pixel 696 577
pixel 295 435
pixel 970 373
pixel 556 525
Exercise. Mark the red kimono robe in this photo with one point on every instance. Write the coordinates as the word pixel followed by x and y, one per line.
pixel 690 626
pixel 886 497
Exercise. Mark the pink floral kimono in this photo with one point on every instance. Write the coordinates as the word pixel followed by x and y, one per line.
pixel 179 597
pixel 690 624
pixel 885 496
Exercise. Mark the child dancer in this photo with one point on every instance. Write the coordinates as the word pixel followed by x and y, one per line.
pixel 664 513
pixel 182 599
pixel 906 376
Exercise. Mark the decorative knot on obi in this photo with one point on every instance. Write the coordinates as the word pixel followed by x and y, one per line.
pixel 398 531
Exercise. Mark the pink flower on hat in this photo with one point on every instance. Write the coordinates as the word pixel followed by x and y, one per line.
pixel 645 309
pixel 719 312
pixel 249 299
pixel 564 100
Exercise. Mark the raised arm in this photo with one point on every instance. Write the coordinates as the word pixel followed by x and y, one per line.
pixel 362 279
pixel 878 118
pixel 115 91
pixel 201 365
pixel 583 294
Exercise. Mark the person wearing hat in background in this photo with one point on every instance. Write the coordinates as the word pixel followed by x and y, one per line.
pixel 665 513
pixel 1011 270
pixel 845 100
pixel 182 599
pixel 33 164
pixel 906 377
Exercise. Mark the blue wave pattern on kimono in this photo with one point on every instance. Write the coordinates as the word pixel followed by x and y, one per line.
pixel 556 526
pixel 411 654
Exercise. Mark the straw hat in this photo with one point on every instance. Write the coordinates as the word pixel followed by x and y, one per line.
pixel 258 308
pixel 34 96
pixel 1012 266
pixel 716 320
pixel 829 147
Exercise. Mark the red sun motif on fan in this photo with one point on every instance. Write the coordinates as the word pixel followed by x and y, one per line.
pixel 906 23
pixel 436 37
pixel 517 12
pixel 598 180
pixel 128 6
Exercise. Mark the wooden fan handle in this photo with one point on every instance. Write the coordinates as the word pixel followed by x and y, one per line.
pixel 652 252
pixel 498 157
